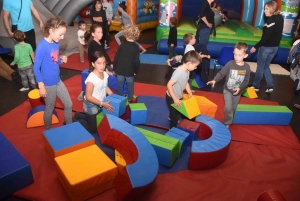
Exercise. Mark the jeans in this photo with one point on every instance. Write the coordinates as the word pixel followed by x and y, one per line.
pixel 129 81
pixel 27 74
pixel 90 108
pixel 264 58
pixel 204 35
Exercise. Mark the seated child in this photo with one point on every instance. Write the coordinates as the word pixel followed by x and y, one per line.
pixel 24 56
pixel 237 75
pixel 173 63
pixel 178 83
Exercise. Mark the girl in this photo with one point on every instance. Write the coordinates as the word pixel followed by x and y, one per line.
pixel 109 14
pixel 96 90
pixel 46 70
pixel 126 20
pixel 127 61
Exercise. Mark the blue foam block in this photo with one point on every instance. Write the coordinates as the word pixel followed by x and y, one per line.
pixel 262 118
pixel 84 75
pixel 138 116
pixel 198 80
pixel 40 108
pixel 112 84
pixel 119 104
pixel 180 135
pixel 15 171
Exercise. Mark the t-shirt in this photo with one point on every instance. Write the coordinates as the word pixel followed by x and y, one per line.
pixel 100 86
pixel 180 78
pixel 22 55
pixel 126 20
pixel 81 33
pixel 13 7
pixel 188 48
pixel 108 10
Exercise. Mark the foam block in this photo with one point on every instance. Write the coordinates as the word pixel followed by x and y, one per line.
pixel 180 135
pixel 86 172
pixel 99 118
pixel 138 113
pixel 188 108
pixel 167 148
pixel 249 93
pixel 197 82
pixel 35 117
pixel 191 128
pixel 262 114
pixel 206 106
pixel 119 104
pixel 15 171
pixel 84 75
pixel 65 139
pixel 35 99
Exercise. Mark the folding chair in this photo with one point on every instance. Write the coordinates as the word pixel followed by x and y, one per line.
pixel 226 55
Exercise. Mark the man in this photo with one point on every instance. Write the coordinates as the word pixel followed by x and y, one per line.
pixel 21 19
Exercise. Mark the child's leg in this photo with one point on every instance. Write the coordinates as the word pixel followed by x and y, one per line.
pixel 293 74
pixel 81 51
pixel 174 114
pixel 141 47
pixel 130 87
pixel 31 77
pixel 91 110
pixel 172 52
pixel 228 110
pixel 120 84
pixel 64 96
pixel 49 102
pixel 24 79
pixel 118 35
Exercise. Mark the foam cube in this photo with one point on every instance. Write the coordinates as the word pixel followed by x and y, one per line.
pixel 262 114
pixel 188 108
pixel 35 99
pixel 119 104
pixel 35 117
pixel 249 93
pixel 86 172
pixel 206 106
pixel 15 171
pixel 180 135
pixel 65 139
pixel 99 118
pixel 190 127
pixel 138 113
pixel 84 75
pixel 166 147
pixel 197 82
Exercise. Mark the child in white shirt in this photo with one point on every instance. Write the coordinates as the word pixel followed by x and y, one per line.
pixel 81 43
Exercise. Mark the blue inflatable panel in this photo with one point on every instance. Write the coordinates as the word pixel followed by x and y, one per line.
pixel 180 135
pixel 15 171
pixel 119 104
pixel 84 74
pixel 112 84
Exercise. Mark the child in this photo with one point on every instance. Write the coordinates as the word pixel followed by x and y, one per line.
pixel 81 43
pixel 179 82
pixel 109 14
pixel 224 17
pixel 295 72
pixel 172 39
pixel 237 74
pixel 46 70
pixel 190 40
pixel 126 20
pixel 96 90
pixel 23 58
pixel 127 61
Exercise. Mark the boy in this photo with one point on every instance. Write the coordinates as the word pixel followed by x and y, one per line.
pixel 190 40
pixel 179 82
pixel 81 43
pixel 24 57
pixel 237 74
pixel 172 39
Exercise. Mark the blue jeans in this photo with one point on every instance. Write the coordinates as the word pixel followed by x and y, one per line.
pixel 264 58
pixel 90 108
pixel 129 81
pixel 204 35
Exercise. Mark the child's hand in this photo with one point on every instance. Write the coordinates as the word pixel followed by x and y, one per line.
pixel 208 56
pixel 213 82
pixel 253 49
pixel 134 73
pixel 190 95
pixel 237 90
pixel 172 45
pixel 107 106
pixel 43 92
pixel 11 64
pixel 201 55
pixel 177 102
pixel 168 61
pixel 64 59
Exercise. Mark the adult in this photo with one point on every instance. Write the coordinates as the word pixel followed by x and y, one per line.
pixel 206 22
pixel 268 45
pixel 21 19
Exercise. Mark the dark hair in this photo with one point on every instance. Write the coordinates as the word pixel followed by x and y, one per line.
pixel 188 37
pixel 94 27
pixel 173 21
pixel 122 4
pixel 87 37
pixel 54 23
pixel 95 2
pixel 191 56
pixel 94 57
pixel 81 22
pixel 19 36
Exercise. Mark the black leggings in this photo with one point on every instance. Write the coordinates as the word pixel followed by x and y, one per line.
pixel 89 122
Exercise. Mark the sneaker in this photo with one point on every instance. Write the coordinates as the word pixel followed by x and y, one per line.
pixel 255 89
pixel 24 89
pixel 269 90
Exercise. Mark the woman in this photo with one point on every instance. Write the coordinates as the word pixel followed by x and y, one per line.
pixel 206 22
pixel 268 45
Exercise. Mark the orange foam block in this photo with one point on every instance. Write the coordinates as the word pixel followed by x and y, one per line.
pixel 206 106
pixel 249 93
pixel 35 117
pixel 86 172
pixel 189 108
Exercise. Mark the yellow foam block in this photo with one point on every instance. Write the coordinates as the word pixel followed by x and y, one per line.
pixel 86 172
pixel 37 119
pixel 120 161
pixel 206 106
pixel 249 93
pixel 189 108
pixel 34 94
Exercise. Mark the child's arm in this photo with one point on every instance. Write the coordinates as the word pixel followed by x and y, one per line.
pixel 204 56
pixel 136 62
pixel 188 90
pixel 16 58
pixel 212 82
pixel 170 89
pixel 32 57
pixel 39 56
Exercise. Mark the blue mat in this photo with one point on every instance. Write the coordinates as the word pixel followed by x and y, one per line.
pixel 154 59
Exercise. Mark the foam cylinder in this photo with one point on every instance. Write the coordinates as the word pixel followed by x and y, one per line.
pixel 271 195
pixel 35 99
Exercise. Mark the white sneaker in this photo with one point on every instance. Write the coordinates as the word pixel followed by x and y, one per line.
pixel 269 90
pixel 24 89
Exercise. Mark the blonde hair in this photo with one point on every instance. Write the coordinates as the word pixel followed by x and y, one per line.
pixel 188 37
pixel 242 46
pixel 54 23
pixel 273 7
pixel 131 32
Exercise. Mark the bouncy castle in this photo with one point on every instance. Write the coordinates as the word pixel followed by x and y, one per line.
pixel 247 29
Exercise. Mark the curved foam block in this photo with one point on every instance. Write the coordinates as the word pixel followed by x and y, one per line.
pixel 212 150
pixel 141 162
pixel 35 117
pixel 35 99
pixel 271 195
